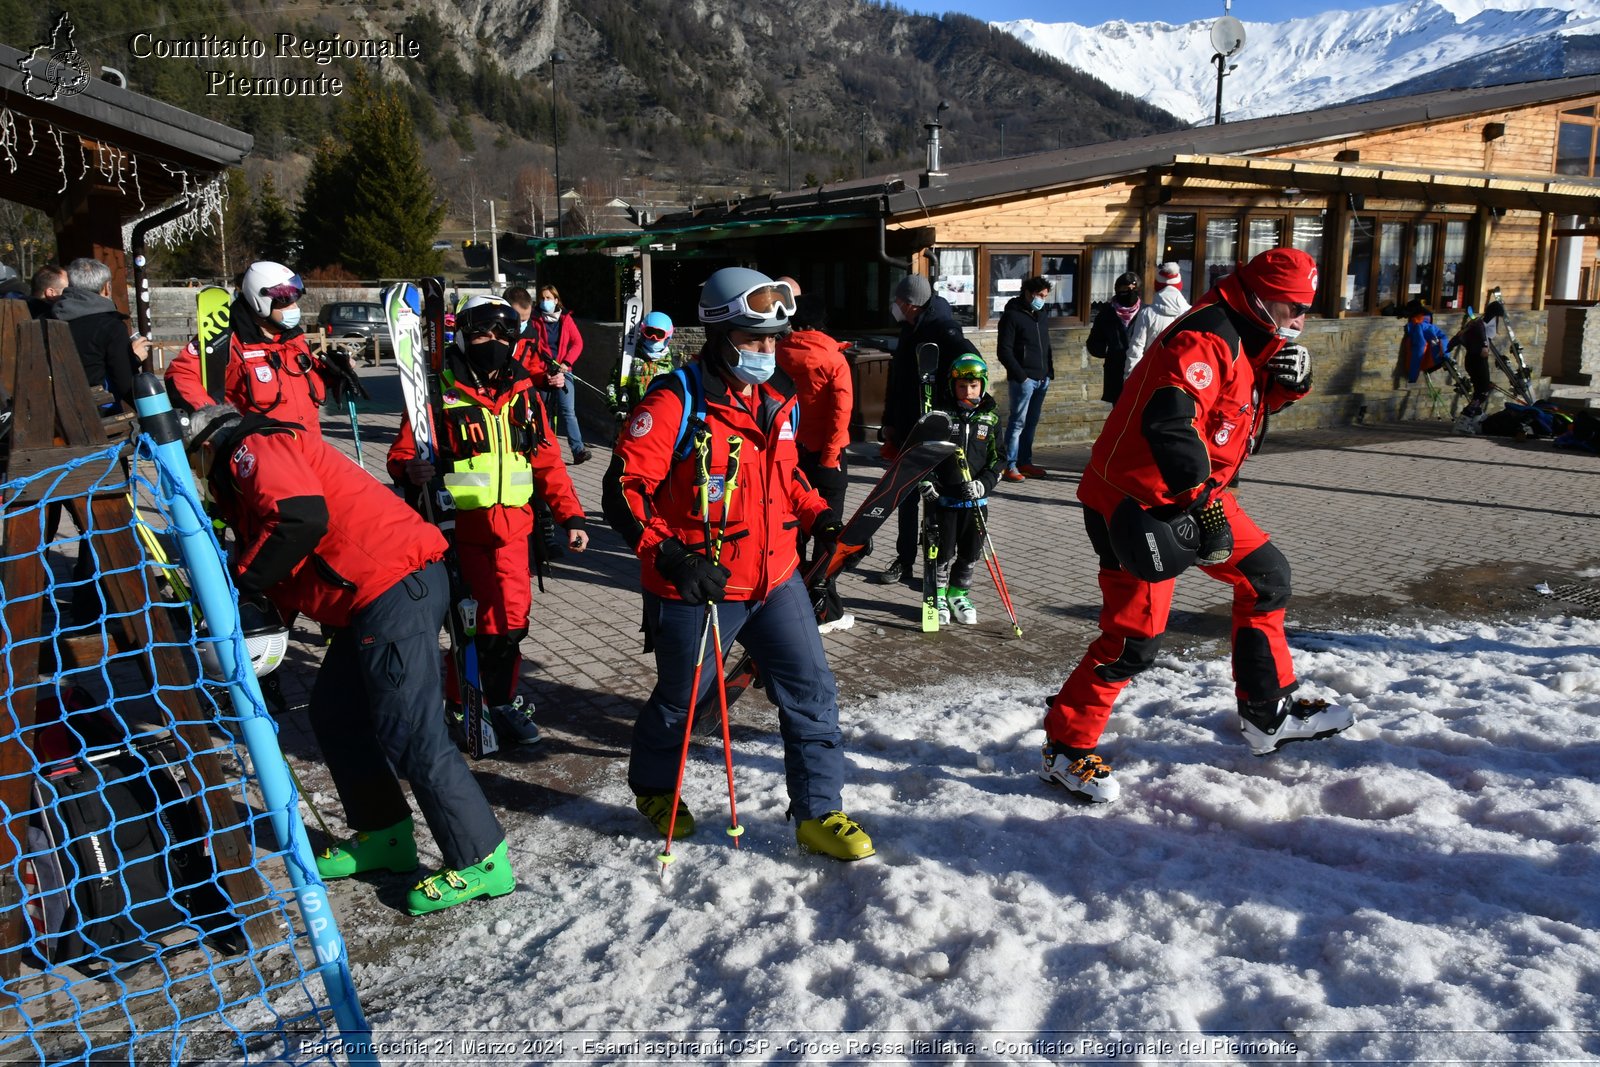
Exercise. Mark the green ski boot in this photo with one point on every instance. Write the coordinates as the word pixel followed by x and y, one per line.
pixel 657 807
pixel 490 877
pixel 835 834
pixel 394 848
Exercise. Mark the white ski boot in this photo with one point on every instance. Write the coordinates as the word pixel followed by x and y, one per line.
pixel 1269 725
pixel 1087 777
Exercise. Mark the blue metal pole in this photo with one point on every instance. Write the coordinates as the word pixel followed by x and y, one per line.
pixel 213 591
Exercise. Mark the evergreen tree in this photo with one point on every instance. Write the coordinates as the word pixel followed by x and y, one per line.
pixel 274 225
pixel 324 206
pixel 395 208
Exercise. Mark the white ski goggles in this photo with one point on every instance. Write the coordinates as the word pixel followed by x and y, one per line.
pixel 763 302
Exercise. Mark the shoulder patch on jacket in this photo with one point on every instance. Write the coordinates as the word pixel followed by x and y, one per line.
pixel 640 425
pixel 244 461
pixel 1199 374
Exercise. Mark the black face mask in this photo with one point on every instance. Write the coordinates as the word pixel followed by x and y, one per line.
pixel 486 357
pixel 1127 300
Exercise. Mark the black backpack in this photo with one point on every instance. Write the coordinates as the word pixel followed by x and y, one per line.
pixel 118 847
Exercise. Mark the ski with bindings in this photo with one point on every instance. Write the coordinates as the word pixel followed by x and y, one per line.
pixel 213 310
pixel 928 446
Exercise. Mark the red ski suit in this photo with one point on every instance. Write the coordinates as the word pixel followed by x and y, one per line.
pixel 816 364
pixel 1184 422
pixel 772 497
pixel 492 542
pixel 317 534
pixel 274 376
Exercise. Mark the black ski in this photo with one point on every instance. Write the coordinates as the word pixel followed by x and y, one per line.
pixel 930 446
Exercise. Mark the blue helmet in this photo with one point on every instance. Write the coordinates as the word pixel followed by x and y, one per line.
pixel 654 333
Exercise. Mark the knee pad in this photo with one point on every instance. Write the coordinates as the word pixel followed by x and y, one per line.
pixel 1267 570
pixel 1138 655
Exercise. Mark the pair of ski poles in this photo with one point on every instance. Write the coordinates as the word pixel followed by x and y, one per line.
pixel 991 559
pixel 710 632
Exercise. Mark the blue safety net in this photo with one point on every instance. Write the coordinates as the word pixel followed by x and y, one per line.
pixel 148 910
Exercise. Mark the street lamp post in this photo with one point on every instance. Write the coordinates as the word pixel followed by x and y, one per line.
pixel 555 131
pixel 863 142
pixel 788 141
pixel 494 247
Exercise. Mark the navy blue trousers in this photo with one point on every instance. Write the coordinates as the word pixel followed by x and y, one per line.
pixel 781 633
pixel 377 708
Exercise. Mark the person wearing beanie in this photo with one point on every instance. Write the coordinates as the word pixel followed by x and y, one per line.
pixel 1168 303
pixel 1108 334
pixel 1155 500
pixel 924 319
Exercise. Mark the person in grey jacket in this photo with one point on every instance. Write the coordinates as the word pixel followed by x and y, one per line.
pixel 1024 350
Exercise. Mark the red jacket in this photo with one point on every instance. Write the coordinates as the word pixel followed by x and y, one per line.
pixel 1189 409
pixel 317 534
pixel 651 497
pixel 274 376
pixel 498 524
pixel 821 375
pixel 533 348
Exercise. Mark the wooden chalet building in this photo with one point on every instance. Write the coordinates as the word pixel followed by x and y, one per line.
pixel 1441 196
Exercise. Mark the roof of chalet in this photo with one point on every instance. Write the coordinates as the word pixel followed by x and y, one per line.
pixel 1233 148
pixel 105 135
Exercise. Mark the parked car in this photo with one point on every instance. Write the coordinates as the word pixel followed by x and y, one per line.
pixel 351 318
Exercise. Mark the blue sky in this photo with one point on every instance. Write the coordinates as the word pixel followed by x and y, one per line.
pixel 1135 10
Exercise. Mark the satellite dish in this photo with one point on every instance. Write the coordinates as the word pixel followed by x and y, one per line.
pixel 1227 35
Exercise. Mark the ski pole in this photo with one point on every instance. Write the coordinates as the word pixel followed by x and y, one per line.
pixel 355 430
pixel 991 560
pixel 730 482
pixel 702 487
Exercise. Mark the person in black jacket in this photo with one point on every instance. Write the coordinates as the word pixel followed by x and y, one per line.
pixel 1108 337
pixel 924 319
pixel 1024 349
pixel 110 355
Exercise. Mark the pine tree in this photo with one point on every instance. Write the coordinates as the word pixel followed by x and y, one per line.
pixel 324 206
pixel 274 225
pixel 395 209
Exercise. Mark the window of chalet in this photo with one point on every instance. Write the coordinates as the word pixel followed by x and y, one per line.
pixel 1105 265
pixel 1577 151
pixel 1214 240
pixel 956 279
pixel 1175 237
pixel 1221 249
pixel 1007 272
pixel 1393 261
pixel 1005 269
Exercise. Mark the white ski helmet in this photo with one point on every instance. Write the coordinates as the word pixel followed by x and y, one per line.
pixel 266 640
pixel 481 313
pixel 267 284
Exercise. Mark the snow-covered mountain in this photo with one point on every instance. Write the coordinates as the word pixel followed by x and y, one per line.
pixel 1333 57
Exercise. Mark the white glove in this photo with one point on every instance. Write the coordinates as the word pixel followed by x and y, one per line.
pixel 1291 367
pixel 973 490
pixel 930 492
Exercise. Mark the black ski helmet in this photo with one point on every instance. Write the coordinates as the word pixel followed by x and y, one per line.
pixel 1152 548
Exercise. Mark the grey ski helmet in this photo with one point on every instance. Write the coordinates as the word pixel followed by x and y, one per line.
pixel 1150 547
pixel 737 298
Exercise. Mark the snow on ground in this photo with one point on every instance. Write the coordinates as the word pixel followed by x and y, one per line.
pixel 1424 887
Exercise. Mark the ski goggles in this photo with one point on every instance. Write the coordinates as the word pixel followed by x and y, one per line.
pixel 654 333
pixel 764 302
pixel 285 295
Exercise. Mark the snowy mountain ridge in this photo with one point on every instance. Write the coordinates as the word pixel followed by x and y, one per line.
pixel 1320 60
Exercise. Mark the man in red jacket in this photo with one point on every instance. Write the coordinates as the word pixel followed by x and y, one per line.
pixel 815 363
pixel 496 450
pixel 262 365
pixel 318 535
pixel 739 552
pixel 1155 500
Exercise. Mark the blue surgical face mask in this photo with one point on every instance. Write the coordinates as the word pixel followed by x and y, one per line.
pixel 291 317
pixel 655 349
pixel 754 367
pixel 1037 303
pixel 547 306
pixel 522 327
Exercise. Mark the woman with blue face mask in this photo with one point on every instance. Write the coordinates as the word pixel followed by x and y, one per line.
pixel 558 344
pixel 713 523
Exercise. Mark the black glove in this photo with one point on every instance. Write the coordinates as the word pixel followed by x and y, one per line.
pixel 344 375
pixel 1216 536
pixel 1291 368
pixel 699 581
pixel 825 535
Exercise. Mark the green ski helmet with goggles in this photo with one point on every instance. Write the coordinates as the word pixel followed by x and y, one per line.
pixel 971 367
